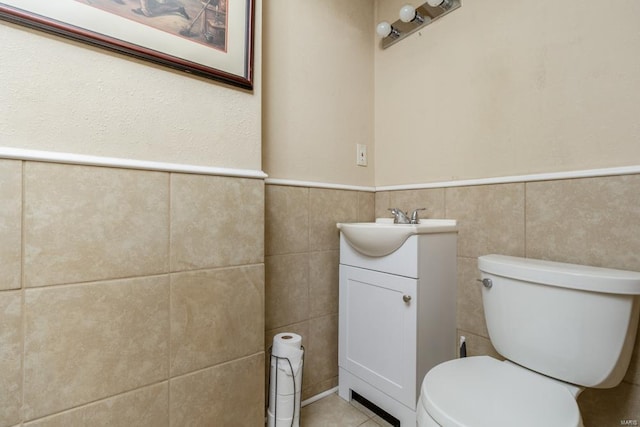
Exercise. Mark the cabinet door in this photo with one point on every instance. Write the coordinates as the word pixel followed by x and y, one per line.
pixel 377 340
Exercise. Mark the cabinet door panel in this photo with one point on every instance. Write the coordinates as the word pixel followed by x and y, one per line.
pixel 378 330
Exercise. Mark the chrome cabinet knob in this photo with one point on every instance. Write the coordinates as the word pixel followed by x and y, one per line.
pixel 406 298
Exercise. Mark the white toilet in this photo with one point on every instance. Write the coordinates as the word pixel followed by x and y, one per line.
pixel 561 327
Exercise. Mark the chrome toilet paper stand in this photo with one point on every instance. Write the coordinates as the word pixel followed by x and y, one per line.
pixel 293 378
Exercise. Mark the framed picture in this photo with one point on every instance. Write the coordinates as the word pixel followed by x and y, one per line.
pixel 208 38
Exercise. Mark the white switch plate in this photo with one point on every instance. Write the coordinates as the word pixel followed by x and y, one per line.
pixel 361 155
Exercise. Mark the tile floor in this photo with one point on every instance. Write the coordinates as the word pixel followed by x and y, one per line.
pixel 332 411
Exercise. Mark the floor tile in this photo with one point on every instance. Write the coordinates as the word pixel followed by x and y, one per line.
pixel 332 411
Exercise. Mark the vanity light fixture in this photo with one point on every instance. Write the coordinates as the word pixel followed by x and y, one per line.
pixel 412 19
pixel 408 13
pixel 384 29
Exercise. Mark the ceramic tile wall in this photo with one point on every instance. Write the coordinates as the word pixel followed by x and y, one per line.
pixel 129 297
pixel 301 261
pixel 594 221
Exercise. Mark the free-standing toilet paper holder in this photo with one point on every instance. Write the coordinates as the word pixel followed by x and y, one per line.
pixel 293 379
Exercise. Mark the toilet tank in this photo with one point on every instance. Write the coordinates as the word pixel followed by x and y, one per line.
pixel 571 322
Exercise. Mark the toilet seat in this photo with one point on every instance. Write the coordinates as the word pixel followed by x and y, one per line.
pixel 484 392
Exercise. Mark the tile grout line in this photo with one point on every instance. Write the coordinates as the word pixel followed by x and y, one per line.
pixel 308 256
pixel 125 392
pixel 524 225
pixel 23 302
pixel 170 278
pixel 93 402
pixel 143 276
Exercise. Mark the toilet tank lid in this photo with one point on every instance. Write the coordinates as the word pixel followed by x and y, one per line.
pixel 573 276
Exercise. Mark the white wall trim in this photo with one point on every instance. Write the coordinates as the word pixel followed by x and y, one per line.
pixel 114 162
pixel 312 184
pixel 317 397
pixel 590 173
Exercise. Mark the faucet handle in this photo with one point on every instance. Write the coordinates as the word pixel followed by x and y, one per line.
pixel 414 215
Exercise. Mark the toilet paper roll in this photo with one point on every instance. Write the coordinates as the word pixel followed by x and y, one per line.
pixel 288 345
pixel 272 421
pixel 285 381
pixel 281 382
pixel 285 407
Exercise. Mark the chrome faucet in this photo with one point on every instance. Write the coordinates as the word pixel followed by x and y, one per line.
pixel 399 217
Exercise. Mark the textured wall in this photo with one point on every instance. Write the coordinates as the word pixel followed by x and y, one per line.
pixel 318 90
pixel 508 88
pixel 130 297
pixel 592 221
pixel 65 96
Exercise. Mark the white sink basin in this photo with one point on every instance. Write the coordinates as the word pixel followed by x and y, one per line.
pixel 382 237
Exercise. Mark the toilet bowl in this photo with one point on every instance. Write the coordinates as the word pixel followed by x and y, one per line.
pixel 483 391
pixel 561 327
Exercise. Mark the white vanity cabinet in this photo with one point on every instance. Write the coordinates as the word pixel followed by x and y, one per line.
pixel 397 320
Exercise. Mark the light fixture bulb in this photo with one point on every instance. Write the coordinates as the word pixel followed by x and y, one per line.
pixel 434 3
pixel 407 13
pixel 383 29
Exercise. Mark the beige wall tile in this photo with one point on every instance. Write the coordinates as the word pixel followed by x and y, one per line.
pixel 323 283
pixel 633 373
pixel 216 316
pixel 382 203
pixel 610 406
pixel 87 342
pixel 286 219
pixel 143 407
pixel 431 199
pixel 231 394
pixel 10 357
pixel 317 388
pixel 87 223
pixel 216 221
pixel 10 223
pixel 326 209
pixel 490 219
pixel 366 207
pixel 286 290
pixel 322 354
pixel 593 221
pixel 470 312
pixel 288 302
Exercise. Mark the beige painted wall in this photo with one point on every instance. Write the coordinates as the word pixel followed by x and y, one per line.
pixel 318 90
pixel 506 88
pixel 64 96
